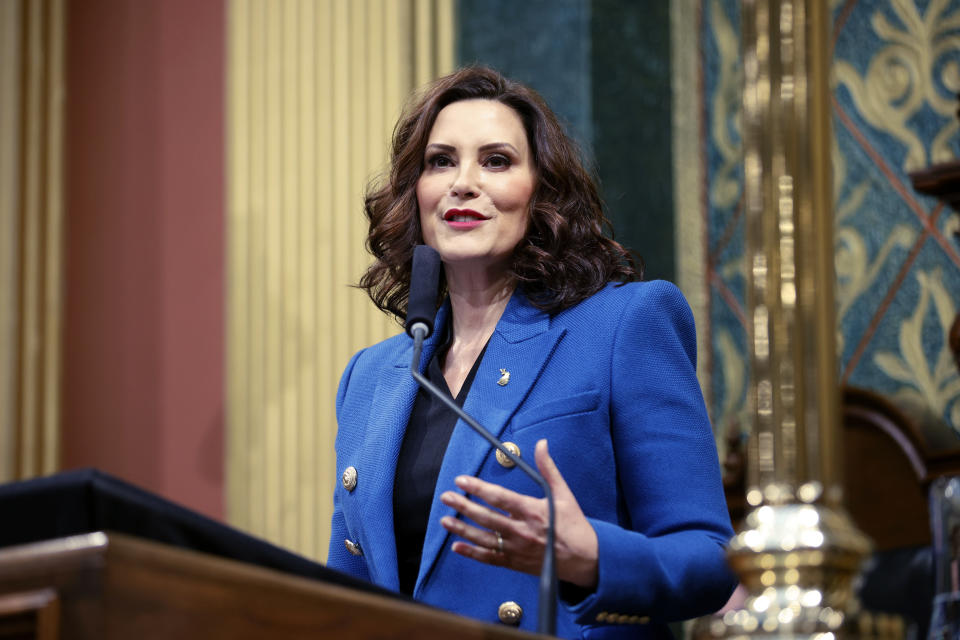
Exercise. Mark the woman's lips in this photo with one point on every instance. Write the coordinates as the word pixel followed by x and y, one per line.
pixel 463 219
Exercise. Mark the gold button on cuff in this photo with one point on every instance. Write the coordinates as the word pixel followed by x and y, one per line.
pixel 503 459
pixel 621 618
pixel 353 547
pixel 510 613
pixel 349 478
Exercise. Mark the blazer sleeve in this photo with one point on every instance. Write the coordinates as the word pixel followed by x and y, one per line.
pixel 337 555
pixel 668 471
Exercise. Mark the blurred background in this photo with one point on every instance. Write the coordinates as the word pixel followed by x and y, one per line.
pixel 181 214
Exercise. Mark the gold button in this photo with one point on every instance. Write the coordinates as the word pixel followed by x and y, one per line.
pixel 634 619
pixel 353 547
pixel 510 613
pixel 503 459
pixel 643 620
pixel 622 618
pixel 602 616
pixel 349 478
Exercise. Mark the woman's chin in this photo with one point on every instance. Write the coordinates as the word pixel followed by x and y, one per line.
pixel 474 260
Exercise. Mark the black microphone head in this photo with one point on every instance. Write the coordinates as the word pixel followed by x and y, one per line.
pixel 424 282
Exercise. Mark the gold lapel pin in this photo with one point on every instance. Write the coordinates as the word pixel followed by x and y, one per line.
pixel 504 378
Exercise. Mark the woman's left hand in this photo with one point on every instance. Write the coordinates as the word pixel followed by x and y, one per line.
pixel 522 526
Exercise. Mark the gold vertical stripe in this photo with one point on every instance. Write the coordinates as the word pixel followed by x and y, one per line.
pixel 237 283
pixel 424 62
pixel 31 222
pixel 53 255
pixel 359 170
pixel 31 154
pixel 36 180
pixel 274 300
pixel 257 489
pixel 823 440
pixel 376 138
pixel 398 56
pixel 292 297
pixel 326 292
pixel 445 48
pixel 314 91
pixel 690 234
pixel 788 215
pixel 306 370
pixel 339 338
pixel 10 126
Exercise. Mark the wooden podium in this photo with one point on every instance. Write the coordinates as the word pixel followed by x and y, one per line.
pixel 113 586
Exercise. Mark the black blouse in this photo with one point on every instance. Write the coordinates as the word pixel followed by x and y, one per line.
pixel 425 442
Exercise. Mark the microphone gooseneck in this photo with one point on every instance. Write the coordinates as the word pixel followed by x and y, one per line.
pixel 419 325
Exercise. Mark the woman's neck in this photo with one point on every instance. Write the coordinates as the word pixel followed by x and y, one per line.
pixel 477 304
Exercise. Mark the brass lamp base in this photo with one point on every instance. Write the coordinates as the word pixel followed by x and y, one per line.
pixel 798 562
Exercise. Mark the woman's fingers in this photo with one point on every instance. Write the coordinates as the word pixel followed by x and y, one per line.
pixel 483 545
pixel 522 528
pixel 483 554
pixel 478 513
pixel 548 469
pixel 494 495
pixel 485 538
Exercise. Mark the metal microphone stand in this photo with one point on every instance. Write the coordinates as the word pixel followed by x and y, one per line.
pixel 547 609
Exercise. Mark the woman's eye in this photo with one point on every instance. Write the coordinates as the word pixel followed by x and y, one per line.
pixel 498 162
pixel 439 161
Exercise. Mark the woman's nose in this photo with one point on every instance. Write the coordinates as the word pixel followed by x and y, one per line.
pixel 465 182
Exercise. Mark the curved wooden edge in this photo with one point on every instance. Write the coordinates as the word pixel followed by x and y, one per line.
pixel 867 408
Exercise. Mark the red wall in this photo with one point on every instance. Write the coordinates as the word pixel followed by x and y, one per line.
pixel 144 325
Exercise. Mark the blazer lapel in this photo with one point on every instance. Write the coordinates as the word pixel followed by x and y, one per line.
pixel 392 403
pixel 521 345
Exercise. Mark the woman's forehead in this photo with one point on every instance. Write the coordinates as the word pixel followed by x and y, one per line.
pixel 474 120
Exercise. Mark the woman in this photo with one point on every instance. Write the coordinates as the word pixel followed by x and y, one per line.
pixel 539 338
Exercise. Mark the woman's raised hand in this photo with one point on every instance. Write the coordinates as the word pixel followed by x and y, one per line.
pixel 513 534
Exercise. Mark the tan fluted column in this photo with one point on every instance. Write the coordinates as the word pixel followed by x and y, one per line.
pixel 315 87
pixel 31 247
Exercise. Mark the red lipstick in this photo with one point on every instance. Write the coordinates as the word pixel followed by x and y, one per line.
pixel 463 219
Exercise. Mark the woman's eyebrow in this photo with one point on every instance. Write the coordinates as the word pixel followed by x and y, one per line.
pixel 439 146
pixel 499 145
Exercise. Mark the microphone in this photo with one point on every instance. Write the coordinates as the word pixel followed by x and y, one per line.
pixel 422 301
pixel 425 279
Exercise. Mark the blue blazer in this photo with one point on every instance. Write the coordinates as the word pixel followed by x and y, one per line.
pixel 611 383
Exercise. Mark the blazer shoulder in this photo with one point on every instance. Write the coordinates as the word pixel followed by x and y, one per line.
pixel 653 297
pixel 383 351
pixel 367 362
pixel 648 292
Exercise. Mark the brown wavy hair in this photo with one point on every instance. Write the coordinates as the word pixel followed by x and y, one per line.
pixel 565 257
